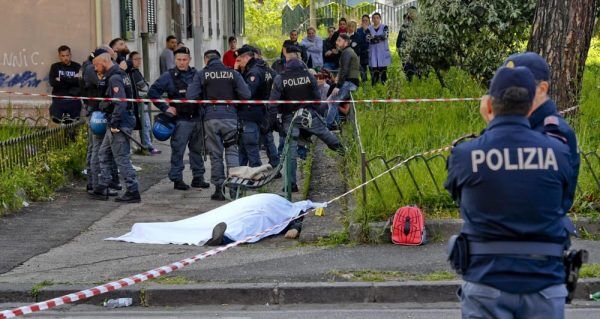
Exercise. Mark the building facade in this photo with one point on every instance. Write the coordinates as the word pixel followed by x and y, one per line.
pixel 36 28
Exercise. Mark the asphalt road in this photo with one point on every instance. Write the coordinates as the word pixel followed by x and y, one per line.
pixel 346 311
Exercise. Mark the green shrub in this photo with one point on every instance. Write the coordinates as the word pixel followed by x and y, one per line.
pixel 43 176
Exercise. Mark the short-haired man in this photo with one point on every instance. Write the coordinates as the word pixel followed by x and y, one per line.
pixel 347 79
pixel 511 184
pixel 188 129
pixel 121 123
pixel 331 55
pixel 365 22
pixel 64 79
pixel 218 82
pixel 167 58
pixel 229 56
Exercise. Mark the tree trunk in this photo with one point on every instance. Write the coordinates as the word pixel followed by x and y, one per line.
pixel 562 32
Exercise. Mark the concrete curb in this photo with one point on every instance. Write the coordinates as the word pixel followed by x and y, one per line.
pixel 269 293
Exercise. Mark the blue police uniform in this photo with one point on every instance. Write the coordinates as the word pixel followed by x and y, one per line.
pixel 188 129
pixel 266 136
pixel 511 183
pixel 120 116
pixel 251 115
pixel 297 84
pixel 217 82
pixel 547 119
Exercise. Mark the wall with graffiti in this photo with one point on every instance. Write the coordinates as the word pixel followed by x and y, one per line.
pixel 31 34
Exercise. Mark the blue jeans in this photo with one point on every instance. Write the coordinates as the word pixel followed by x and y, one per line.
pixel 333 115
pixel 145 133
pixel 481 301
pixel 249 147
pixel 187 133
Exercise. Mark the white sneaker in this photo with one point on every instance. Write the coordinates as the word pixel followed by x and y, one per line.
pixel 136 168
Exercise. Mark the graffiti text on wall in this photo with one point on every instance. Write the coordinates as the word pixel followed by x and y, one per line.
pixel 20 59
pixel 25 79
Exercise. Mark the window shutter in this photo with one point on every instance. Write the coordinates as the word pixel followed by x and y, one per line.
pixel 127 21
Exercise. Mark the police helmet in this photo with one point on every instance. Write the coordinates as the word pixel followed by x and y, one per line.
pixel 98 123
pixel 164 125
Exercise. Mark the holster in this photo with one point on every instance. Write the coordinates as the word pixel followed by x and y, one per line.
pixel 573 260
pixel 458 253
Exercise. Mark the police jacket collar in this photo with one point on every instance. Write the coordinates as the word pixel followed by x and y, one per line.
pixel 294 65
pixel 508 120
pixel 189 69
pixel 113 70
pixel 545 110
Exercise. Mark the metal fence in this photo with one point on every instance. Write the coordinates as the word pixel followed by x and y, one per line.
pixel 21 151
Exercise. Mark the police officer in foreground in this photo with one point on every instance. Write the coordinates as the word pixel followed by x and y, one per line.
pixel 250 116
pixel 121 121
pixel 295 83
pixel 188 127
pixel 218 82
pixel 511 183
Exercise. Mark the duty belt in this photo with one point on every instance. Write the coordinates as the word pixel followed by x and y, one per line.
pixel 527 248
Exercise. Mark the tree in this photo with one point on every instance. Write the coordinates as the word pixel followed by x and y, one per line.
pixel 475 35
pixel 562 33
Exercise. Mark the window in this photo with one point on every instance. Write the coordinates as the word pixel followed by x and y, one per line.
pixel 238 17
pixel 127 21
pixel 210 24
pixel 189 19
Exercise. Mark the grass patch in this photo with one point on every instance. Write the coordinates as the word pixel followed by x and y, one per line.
pixel 590 271
pixel 173 280
pixel 334 239
pixel 307 170
pixel 401 130
pixel 35 290
pixel 46 173
pixel 382 276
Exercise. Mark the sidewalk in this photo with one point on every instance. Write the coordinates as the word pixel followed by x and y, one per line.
pixel 276 269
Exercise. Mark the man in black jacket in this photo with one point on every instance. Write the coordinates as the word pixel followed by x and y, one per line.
pixel 64 78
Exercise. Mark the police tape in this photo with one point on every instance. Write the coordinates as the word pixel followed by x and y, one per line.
pixel 176 101
pixel 160 271
pixel 157 272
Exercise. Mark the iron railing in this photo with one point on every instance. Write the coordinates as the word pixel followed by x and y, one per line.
pixel 20 151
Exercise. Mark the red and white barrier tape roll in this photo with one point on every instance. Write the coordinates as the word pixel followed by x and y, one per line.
pixel 238 101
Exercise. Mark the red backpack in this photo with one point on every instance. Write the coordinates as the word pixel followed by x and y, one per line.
pixel 408 226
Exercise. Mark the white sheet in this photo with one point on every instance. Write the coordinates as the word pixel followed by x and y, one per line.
pixel 244 217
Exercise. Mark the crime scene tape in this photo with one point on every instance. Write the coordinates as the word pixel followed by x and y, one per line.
pixel 157 272
pixel 238 101
pixel 160 271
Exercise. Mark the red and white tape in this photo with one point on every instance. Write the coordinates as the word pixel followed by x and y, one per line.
pixel 237 101
pixel 157 272
pixel 129 281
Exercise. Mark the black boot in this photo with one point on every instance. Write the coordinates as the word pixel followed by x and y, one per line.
pixel 129 197
pixel 218 194
pixel 99 193
pixel 198 182
pixel 180 185
pixel 116 186
pixel 217 235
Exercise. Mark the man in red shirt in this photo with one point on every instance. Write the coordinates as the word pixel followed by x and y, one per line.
pixel 229 56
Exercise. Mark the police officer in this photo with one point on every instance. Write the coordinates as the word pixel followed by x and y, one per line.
pixel 218 82
pixel 297 84
pixel 511 183
pixel 188 129
pixel 121 121
pixel 270 123
pixel 545 116
pixel 94 87
pixel 250 116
